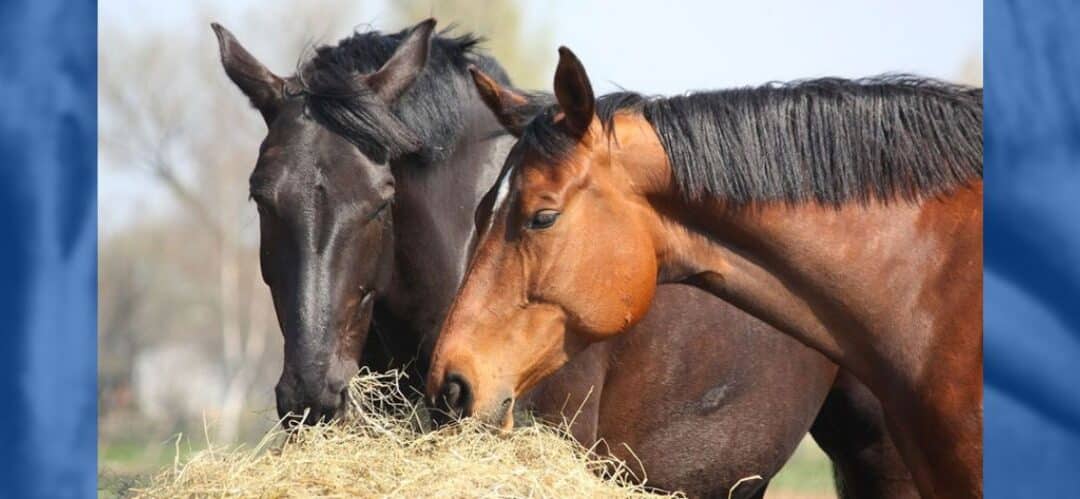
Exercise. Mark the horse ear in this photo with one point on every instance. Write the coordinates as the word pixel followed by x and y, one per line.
pixel 399 73
pixel 574 93
pixel 510 107
pixel 261 86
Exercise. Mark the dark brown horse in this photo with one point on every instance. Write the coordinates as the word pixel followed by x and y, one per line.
pixel 848 214
pixel 340 146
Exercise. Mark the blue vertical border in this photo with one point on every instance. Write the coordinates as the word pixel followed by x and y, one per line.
pixel 48 248
pixel 1032 241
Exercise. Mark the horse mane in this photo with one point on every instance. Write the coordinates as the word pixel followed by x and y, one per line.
pixel 827 140
pixel 420 123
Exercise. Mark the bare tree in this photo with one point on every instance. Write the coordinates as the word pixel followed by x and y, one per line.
pixel 527 54
pixel 169 112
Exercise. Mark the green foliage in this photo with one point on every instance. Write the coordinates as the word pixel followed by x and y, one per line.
pixel 808 472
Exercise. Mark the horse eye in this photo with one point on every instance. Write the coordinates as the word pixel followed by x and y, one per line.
pixel 543 219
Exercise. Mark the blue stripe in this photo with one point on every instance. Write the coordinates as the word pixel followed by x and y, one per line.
pixel 48 225
pixel 1032 239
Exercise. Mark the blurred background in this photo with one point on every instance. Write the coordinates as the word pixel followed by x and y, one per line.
pixel 188 341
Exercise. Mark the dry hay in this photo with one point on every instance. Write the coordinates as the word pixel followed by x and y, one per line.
pixel 381 450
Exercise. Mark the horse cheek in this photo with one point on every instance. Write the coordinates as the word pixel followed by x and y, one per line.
pixel 642 288
pixel 631 295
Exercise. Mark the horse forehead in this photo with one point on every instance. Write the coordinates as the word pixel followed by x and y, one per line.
pixel 308 186
pixel 296 134
pixel 301 156
pixel 352 174
pixel 540 177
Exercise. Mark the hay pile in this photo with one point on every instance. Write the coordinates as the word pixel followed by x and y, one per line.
pixel 381 451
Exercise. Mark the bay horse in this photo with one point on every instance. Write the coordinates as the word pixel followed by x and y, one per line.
pixel 366 203
pixel 847 214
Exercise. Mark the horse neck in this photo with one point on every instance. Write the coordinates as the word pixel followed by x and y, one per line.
pixel 835 277
pixel 433 225
pixel 813 270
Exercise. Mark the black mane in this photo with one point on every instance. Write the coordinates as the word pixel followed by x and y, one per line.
pixel 828 140
pixel 421 122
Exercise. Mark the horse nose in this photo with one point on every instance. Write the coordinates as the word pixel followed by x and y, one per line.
pixel 456 396
pixel 309 404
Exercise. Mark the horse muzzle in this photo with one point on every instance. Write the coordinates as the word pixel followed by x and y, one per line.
pixel 456 399
pixel 310 403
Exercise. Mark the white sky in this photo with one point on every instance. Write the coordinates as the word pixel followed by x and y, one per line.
pixel 668 46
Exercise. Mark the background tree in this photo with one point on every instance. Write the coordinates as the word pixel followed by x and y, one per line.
pixel 525 53
pixel 190 276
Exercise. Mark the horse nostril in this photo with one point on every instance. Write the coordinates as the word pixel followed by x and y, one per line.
pixel 453 393
pixel 456 394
